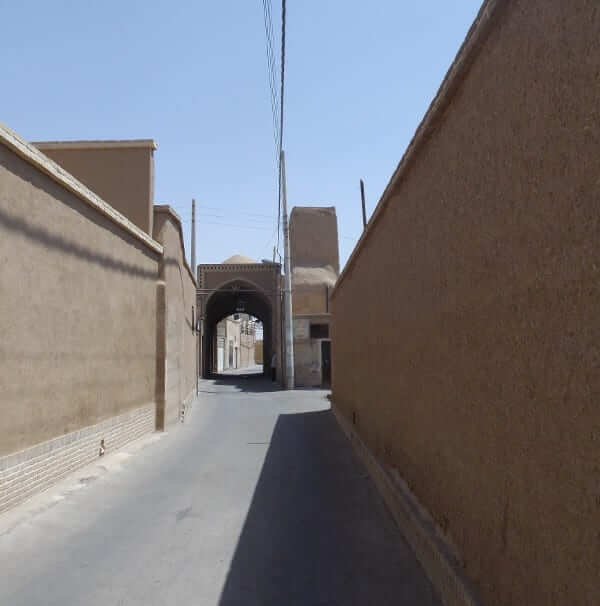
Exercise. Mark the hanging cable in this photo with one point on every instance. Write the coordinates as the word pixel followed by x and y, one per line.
pixel 275 99
pixel 271 70
pixel 281 105
pixel 271 67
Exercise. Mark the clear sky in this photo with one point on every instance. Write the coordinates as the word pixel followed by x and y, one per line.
pixel 193 76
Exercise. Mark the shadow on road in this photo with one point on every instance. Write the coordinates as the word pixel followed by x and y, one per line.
pixel 252 382
pixel 316 532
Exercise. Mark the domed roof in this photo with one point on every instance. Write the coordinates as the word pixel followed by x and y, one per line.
pixel 239 260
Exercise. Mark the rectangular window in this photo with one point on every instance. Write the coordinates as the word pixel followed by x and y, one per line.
pixel 319 331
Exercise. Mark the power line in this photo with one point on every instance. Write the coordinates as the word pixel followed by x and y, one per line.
pixel 241 226
pixel 281 106
pixel 271 66
pixel 234 216
pixel 271 69
pixel 182 209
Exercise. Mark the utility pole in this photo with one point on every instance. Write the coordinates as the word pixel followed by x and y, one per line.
pixel 194 237
pixel 362 197
pixel 287 282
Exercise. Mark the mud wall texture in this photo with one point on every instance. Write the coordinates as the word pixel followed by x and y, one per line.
pixel 466 332
pixel 122 176
pixel 181 361
pixel 314 237
pixel 77 310
pixel 310 298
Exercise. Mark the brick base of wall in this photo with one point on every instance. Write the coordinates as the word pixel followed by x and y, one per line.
pixel 186 405
pixel 436 555
pixel 27 472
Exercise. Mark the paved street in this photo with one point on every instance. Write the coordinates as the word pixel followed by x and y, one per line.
pixel 256 500
pixel 247 370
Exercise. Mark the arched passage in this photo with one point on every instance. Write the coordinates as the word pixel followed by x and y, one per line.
pixel 236 296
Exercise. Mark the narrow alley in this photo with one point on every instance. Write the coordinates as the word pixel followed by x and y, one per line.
pixel 257 499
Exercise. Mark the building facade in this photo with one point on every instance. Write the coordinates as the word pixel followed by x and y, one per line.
pixel 234 343
pixel 315 268
pixel 239 285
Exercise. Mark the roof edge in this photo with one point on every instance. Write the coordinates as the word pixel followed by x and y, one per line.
pixel 166 209
pixel 457 71
pixel 300 209
pixel 36 158
pixel 97 144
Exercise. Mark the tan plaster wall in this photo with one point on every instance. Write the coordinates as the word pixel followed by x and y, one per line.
pixel 181 340
pixel 310 299
pixel 466 330
pixel 314 237
pixel 122 176
pixel 77 311
pixel 258 353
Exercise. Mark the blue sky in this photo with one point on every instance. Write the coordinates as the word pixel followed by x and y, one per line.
pixel 193 76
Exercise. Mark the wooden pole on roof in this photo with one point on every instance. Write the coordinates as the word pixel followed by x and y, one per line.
pixel 362 197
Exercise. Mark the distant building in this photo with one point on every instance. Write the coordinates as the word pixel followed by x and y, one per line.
pixel 235 343
pixel 315 267
pixel 251 289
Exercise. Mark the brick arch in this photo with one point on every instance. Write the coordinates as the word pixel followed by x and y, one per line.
pixel 263 280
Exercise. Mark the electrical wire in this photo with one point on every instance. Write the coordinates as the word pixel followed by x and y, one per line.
pixel 275 105
pixel 271 67
pixel 281 106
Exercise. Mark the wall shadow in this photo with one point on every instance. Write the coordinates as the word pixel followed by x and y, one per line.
pixel 317 532
pixel 54 239
pixel 250 383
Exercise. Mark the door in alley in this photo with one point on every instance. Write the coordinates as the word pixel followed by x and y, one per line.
pixel 326 363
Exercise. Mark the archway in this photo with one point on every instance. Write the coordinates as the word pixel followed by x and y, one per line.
pixel 235 297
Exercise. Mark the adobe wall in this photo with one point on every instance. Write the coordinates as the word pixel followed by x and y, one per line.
pixel 466 324
pixel 181 338
pixel 310 298
pixel 122 176
pixel 258 353
pixel 77 307
pixel 314 237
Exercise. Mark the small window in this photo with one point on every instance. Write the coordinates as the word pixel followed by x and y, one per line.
pixel 319 331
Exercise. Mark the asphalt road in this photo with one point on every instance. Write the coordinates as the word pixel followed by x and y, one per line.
pixel 256 500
